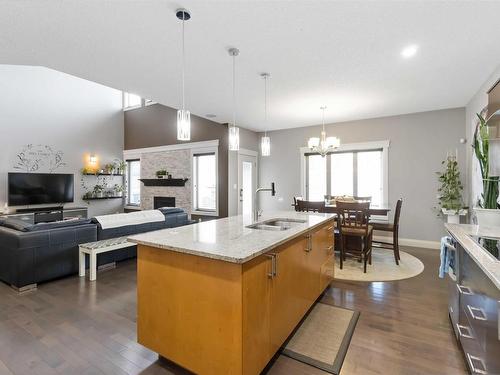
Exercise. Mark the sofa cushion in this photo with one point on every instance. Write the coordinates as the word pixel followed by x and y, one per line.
pixel 16 224
pixel 57 224
pixel 170 210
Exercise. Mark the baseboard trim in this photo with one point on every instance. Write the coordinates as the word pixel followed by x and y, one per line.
pixel 410 242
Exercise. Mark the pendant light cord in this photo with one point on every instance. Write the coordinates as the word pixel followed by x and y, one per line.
pixel 265 104
pixel 183 65
pixel 234 91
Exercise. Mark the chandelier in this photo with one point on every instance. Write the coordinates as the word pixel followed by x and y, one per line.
pixel 324 144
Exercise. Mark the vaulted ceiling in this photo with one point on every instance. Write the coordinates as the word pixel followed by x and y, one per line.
pixel 345 55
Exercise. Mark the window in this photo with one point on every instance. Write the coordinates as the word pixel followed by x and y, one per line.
pixel 355 170
pixel 205 182
pixel 133 183
pixel 131 101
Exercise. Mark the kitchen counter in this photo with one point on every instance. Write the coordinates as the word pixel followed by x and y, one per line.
pixel 229 239
pixel 489 265
pixel 218 297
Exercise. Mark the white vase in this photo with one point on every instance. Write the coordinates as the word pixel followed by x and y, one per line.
pixel 453 216
pixel 487 217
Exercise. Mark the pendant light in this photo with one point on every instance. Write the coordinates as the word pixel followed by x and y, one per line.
pixel 234 132
pixel 183 115
pixel 265 141
pixel 324 144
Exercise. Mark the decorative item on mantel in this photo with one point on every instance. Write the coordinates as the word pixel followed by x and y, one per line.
pixel 487 210
pixel 162 173
pixel 450 191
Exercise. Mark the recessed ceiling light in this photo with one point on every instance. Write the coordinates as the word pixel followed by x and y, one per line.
pixel 409 51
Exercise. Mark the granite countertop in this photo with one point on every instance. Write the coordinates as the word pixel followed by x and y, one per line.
pixel 229 239
pixel 484 260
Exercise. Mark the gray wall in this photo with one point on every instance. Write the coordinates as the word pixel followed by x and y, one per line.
pixel 419 143
pixel 41 106
pixel 156 125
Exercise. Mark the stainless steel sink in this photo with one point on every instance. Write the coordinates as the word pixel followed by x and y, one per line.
pixel 276 224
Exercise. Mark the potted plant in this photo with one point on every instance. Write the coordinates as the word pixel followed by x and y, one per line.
pixel 98 191
pixel 118 190
pixel 109 168
pixel 450 191
pixel 120 166
pixel 162 173
pixel 487 211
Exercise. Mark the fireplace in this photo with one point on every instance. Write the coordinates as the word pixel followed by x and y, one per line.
pixel 159 202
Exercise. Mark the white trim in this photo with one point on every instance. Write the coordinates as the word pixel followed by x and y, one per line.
pixel 179 146
pixel 214 147
pixel 384 145
pixel 410 242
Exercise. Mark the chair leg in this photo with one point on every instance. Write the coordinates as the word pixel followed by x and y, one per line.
pixel 364 261
pixel 395 246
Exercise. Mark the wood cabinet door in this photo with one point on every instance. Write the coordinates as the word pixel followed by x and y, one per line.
pixel 256 295
pixel 321 258
pixel 288 293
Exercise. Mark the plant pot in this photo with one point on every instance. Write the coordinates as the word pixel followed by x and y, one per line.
pixel 453 216
pixel 119 194
pixel 160 176
pixel 487 217
pixel 100 194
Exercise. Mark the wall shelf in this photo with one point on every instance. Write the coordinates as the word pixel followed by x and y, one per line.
pixel 164 181
pixel 99 198
pixel 103 174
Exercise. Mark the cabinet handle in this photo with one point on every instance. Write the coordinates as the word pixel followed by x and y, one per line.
pixel 309 245
pixel 464 290
pixel 478 309
pixel 467 335
pixel 329 228
pixel 273 272
pixel 471 359
pixel 329 248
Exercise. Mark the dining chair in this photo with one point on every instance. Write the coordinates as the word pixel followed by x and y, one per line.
pixel 394 229
pixel 355 231
pixel 295 204
pixel 309 206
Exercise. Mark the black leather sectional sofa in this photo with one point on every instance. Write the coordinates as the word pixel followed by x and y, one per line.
pixel 31 254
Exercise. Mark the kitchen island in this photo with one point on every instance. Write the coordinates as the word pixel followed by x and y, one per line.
pixel 222 296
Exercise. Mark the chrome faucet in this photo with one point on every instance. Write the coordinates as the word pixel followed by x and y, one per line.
pixel 256 211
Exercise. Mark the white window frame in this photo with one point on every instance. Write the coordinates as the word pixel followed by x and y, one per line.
pixel 127 177
pixel 124 94
pixel 206 150
pixel 363 146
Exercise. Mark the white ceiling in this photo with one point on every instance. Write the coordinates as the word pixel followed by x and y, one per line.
pixel 345 55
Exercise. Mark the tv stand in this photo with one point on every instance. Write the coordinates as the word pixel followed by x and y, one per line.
pixel 39 209
pixel 48 214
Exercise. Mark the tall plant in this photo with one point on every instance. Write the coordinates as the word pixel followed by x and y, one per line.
pixel 450 191
pixel 481 147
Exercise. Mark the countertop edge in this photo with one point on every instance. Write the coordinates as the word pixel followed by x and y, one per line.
pixel 226 258
pixel 481 258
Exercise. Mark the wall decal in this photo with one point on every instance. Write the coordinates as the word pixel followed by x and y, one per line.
pixel 35 158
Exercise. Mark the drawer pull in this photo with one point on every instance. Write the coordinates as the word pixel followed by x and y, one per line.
pixel 329 248
pixel 474 313
pixel 309 245
pixel 274 270
pixel 464 290
pixel 471 360
pixel 329 229
pixel 461 329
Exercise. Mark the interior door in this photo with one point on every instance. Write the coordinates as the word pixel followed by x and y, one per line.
pixel 247 183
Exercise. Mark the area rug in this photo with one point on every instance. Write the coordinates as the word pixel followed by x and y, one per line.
pixel 323 337
pixel 383 267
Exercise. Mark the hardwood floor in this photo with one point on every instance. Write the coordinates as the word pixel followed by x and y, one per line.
pixel 71 326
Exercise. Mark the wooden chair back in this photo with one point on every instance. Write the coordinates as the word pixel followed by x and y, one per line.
pixel 397 213
pixel 309 206
pixel 354 215
pixel 295 204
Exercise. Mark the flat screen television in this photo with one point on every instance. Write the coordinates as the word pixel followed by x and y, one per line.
pixel 40 188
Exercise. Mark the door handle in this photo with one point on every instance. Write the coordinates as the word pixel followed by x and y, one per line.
pixel 274 271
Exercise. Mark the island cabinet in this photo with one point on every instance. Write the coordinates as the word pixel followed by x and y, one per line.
pixel 217 317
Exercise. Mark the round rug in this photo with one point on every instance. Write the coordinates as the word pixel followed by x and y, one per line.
pixel 383 267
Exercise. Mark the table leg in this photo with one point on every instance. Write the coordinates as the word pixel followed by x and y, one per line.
pixel 93 266
pixel 81 262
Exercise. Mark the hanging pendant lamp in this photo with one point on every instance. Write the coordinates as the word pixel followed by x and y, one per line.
pixel 265 141
pixel 234 132
pixel 183 115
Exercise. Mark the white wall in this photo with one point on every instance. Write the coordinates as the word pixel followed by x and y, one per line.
pixel 418 144
pixel 476 105
pixel 43 106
